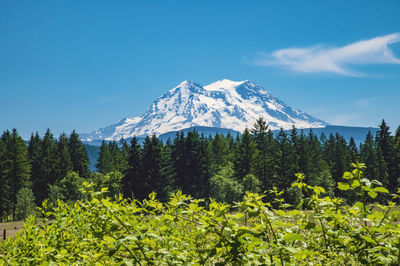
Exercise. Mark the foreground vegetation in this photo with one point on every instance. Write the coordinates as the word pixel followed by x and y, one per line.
pixel 318 230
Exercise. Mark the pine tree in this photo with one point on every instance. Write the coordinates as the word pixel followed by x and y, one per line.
pixel 318 173
pixel 36 157
pixel 322 139
pixel 79 155
pixel 231 143
pixel 48 168
pixel 294 142
pixel 302 150
pixel 125 152
pixel 396 142
pixel 245 155
pixel 192 163
pixel 179 160
pixel 167 168
pixel 354 155
pixel 154 180
pixel 382 168
pixel 105 160
pixel 267 173
pixel 385 142
pixel 337 156
pixel 368 154
pixel 132 182
pixel 340 157
pixel 205 169
pixel 263 165
pixel 259 132
pixel 162 178
pixel 119 163
pixel 64 164
pixel 285 163
pixel 193 178
pixel 220 153
pixel 4 171
pixel 19 168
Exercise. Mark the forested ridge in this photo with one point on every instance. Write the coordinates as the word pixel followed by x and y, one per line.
pixel 220 167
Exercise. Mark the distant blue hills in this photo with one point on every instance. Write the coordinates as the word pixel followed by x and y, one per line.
pixel 358 134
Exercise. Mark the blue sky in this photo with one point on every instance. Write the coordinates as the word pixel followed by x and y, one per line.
pixel 86 64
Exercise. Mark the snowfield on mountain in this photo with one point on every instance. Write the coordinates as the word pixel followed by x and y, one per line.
pixel 222 104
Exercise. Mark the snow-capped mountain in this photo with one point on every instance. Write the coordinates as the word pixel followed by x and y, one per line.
pixel 222 104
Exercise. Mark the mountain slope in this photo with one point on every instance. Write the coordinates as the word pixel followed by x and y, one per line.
pixel 223 104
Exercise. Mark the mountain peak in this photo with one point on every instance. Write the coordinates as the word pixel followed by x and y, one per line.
pixel 186 83
pixel 224 104
pixel 224 84
pixel 186 87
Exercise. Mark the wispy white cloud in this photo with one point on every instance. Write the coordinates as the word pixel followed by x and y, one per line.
pixel 336 60
pixel 345 119
pixel 364 102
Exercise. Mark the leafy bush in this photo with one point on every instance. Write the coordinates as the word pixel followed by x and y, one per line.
pixel 25 203
pixel 99 231
pixel 224 187
pixel 67 189
pixel 251 183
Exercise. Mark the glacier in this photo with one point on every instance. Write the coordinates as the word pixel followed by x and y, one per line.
pixel 226 104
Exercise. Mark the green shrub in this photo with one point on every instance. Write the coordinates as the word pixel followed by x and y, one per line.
pixel 99 231
pixel 25 203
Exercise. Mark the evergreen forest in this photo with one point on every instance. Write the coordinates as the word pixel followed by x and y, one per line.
pixel 219 167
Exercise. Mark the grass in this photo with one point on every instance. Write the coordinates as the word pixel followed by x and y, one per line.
pixel 11 228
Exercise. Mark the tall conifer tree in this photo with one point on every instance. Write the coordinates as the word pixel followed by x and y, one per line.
pixel 19 168
pixel 245 155
pixel 79 155
pixel 220 152
pixel 48 168
pixel 4 172
pixel 167 168
pixel 105 160
pixel 133 183
pixel 385 142
pixel 179 160
pixel 354 155
pixel 262 161
pixel 369 156
pixel 64 164
pixel 36 157
pixel 153 168
pixel 118 158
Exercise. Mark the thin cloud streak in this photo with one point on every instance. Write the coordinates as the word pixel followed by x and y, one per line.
pixel 365 102
pixel 335 60
pixel 345 119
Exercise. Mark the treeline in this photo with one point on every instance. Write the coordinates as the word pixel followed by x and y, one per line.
pixel 30 174
pixel 222 167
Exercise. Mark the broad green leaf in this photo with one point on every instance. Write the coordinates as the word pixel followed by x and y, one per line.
pixel 355 183
pixel 293 236
pixel 368 239
pixel 372 194
pixel 381 189
pixel 343 186
pixel 347 175
pixel 319 190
